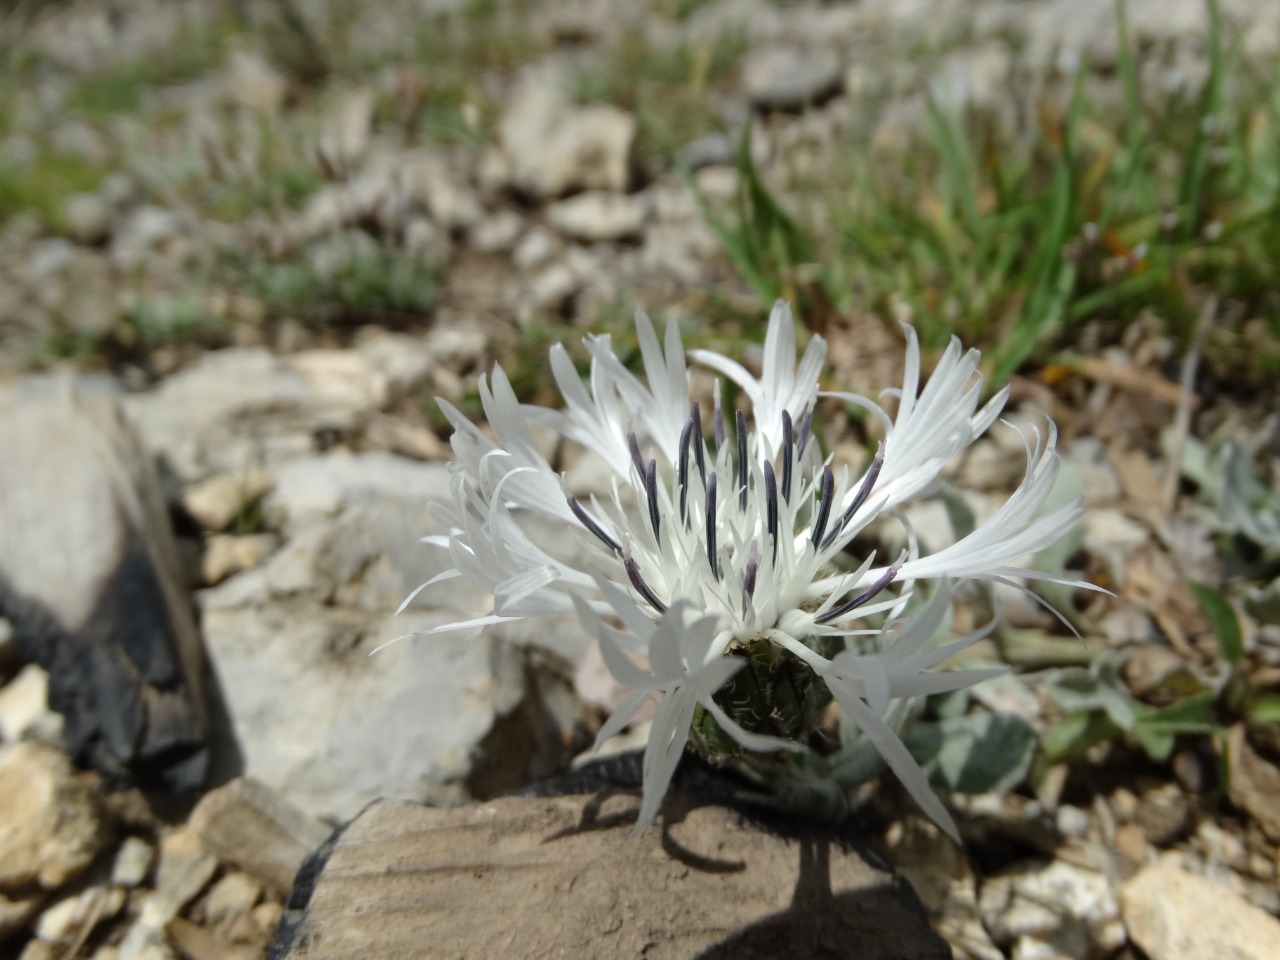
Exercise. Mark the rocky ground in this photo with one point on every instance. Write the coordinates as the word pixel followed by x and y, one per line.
pixel 270 232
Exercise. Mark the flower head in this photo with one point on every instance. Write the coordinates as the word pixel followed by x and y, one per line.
pixel 729 531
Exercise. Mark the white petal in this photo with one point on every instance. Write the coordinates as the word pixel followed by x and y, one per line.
pixel 897 756
pixel 620 717
pixel 667 737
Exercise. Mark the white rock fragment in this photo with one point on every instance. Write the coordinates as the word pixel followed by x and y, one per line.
pixel 247 824
pixel 183 871
pixel 76 916
pixel 225 555
pixel 1175 915
pixel 536 248
pixel 24 708
pixel 250 81
pixel 452 204
pixel 550 289
pixel 787 78
pixel 50 830
pixel 88 218
pixel 231 898
pixel 598 217
pixel 548 147
pixel 1063 908
pixel 497 233
pixel 132 863
pixel 349 128
pixel 217 501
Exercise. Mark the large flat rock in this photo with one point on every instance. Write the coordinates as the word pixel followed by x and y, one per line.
pixel 91 581
pixel 559 877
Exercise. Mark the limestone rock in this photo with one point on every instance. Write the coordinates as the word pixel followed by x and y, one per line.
pixel 1255 784
pixel 50 829
pixel 1175 915
pixel 90 578
pixel 559 877
pixel 597 217
pixel 251 82
pixel 24 708
pixel 226 555
pixel 75 917
pixel 132 863
pixel 1055 907
pixel 88 218
pixel 453 205
pixel 247 824
pixel 333 728
pixel 183 871
pixel 550 148
pixel 241 409
pixel 784 78
pixel 217 501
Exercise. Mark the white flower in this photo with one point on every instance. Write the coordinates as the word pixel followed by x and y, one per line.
pixel 728 530
pixel 865 685
pixel 682 671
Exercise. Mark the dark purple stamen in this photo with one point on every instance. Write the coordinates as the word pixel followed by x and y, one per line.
pixel 637 460
pixel 771 506
pixel 749 578
pixel 718 418
pixel 695 415
pixel 642 588
pixel 711 526
pixel 590 524
pixel 740 426
pixel 806 431
pixel 837 613
pixel 788 440
pixel 651 489
pixel 859 498
pixel 824 505
pixel 682 470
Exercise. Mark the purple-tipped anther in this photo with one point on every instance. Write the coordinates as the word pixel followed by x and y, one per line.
pixel 711 526
pixel 836 613
pixel 695 417
pixel 642 588
pixel 749 577
pixel 651 490
pixel 824 505
pixel 806 431
pixel 589 522
pixel 740 426
pixel 788 443
pixel 771 506
pixel 717 417
pixel 859 498
pixel 637 460
pixel 682 470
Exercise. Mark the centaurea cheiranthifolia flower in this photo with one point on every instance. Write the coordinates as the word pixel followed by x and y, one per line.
pixel 717 574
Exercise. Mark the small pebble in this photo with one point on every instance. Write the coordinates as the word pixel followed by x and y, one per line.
pixel 133 861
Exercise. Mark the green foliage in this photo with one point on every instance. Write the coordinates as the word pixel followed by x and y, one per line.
pixel 1100 708
pixel 366 282
pixel 184 318
pixel 121 88
pixel 974 753
pixel 1222 620
pixel 45 184
pixel 776 258
pixel 1016 238
pixel 665 86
